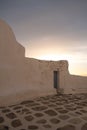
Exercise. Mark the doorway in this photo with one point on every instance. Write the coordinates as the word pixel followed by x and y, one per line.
pixel 56 79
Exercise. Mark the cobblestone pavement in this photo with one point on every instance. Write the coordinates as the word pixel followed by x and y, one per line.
pixel 55 112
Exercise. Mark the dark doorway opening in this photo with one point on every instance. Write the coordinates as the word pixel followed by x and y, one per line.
pixel 56 79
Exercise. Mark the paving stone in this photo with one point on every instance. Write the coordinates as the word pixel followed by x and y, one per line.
pixel 79 107
pixel 52 105
pixel 17 107
pixel 27 102
pixel 63 111
pixel 59 103
pixel 53 101
pixel 84 127
pixel 5 110
pixel 67 127
pixel 18 111
pixel 73 114
pixel 79 113
pixel 83 111
pixel 2 107
pixel 33 104
pixel 85 118
pixel 39 114
pixel 1 119
pixel 47 126
pixel 83 104
pixel 54 121
pixel 29 118
pixel 42 121
pixel 45 102
pixel 11 115
pixel 51 112
pixel 59 108
pixel 2 127
pixel 64 117
pixel 75 121
pixel 71 109
pixel 39 108
pixel 16 123
pixel 32 127
pixel 45 112
pixel 25 110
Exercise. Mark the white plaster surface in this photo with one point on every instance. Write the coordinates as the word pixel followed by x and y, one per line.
pixel 75 84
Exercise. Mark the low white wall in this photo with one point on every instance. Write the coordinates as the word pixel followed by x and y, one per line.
pixel 28 78
pixel 75 84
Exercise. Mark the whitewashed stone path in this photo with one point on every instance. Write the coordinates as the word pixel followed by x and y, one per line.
pixel 55 112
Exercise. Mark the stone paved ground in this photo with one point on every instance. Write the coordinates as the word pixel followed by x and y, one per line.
pixel 55 112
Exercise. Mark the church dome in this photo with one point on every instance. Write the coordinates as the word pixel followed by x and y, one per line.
pixel 6 32
pixel 9 47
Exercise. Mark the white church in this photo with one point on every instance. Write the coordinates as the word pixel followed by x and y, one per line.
pixel 23 78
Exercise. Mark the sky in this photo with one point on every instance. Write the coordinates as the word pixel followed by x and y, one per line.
pixel 50 29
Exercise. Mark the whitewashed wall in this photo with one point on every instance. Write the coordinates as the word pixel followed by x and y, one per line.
pixel 23 78
pixel 75 84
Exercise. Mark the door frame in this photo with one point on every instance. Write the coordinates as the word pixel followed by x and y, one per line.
pixel 56 79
